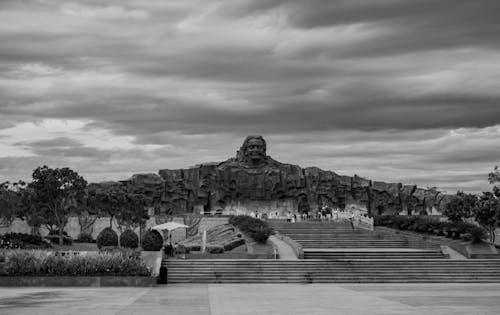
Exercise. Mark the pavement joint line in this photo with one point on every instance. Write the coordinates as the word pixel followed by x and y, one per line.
pixel 124 308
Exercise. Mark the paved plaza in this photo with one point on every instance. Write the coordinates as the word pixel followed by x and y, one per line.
pixel 233 299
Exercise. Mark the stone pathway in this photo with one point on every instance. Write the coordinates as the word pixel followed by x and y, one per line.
pixel 452 253
pixel 285 251
pixel 251 299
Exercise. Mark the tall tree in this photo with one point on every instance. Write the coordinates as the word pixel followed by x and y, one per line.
pixel 460 207
pixel 487 213
pixel 133 213
pixel 10 201
pixel 58 192
pixel 494 178
pixel 107 198
pixel 117 202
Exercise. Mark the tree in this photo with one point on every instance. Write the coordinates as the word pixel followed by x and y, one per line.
pixel 117 202
pixel 493 178
pixel 133 213
pixel 58 193
pixel 107 199
pixel 487 213
pixel 29 211
pixel 10 201
pixel 460 207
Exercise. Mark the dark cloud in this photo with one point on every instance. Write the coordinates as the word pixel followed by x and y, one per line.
pixel 358 85
pixel 407 26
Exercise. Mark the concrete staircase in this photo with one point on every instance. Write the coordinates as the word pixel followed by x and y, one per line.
pixel 335 235
pixel 334 255
pixel 332 271
pixel 332 240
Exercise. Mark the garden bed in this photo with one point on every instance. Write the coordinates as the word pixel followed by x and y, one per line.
pixel 64 281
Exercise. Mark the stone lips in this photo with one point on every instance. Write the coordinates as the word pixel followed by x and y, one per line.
pixel 236 184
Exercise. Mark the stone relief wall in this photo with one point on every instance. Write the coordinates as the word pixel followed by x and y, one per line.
pixel 253 181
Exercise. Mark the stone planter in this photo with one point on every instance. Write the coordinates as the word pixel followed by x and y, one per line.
pixel 83 281
pixel 153 259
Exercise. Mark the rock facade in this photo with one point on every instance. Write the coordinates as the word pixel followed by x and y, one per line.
pixel 252 181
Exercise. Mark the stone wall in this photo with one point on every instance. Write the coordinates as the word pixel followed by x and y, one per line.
pixel 245 185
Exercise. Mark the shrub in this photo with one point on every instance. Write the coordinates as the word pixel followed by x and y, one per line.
pixel 475 234
pixel 152 241
pixel 53 237
pixel 233 245
pixel 23 241
pixel 107 237
pixel 85 238
pixel 457 230
pixel 32 263
pixel 262 234
pixel 129 239
pixel 255 228
pixel 215 249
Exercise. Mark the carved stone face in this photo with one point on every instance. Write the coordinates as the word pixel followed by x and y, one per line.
pixel 255 150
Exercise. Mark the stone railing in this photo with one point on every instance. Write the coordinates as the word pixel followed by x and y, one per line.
pixel 297 248
pixel 341 216
pixel 362 222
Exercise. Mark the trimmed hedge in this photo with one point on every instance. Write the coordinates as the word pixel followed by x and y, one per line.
pixel 85 238
pixel 107 237
pixel 41 263
pixel 460 230
pixel 23 241
pixel 152 241
pixel 258 230
pixel 129 239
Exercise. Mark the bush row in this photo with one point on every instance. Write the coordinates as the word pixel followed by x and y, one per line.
pixel 257 229
pixel 463 230
pixel 107 237
pixel 23 241
pixel 41 263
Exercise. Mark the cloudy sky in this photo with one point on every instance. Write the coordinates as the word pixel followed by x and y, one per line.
pixel 393 90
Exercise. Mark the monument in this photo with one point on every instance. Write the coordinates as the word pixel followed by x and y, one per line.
pixel 253 182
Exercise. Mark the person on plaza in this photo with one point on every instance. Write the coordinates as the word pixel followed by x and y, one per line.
pixel 168 246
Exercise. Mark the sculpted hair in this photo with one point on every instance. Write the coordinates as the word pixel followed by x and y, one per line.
pixel 247 140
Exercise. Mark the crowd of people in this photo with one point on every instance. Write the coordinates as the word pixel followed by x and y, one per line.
pixel 323 214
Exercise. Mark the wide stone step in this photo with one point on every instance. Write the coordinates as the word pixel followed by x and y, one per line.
pixel 314 263
pixel 325 233
pixel 341 239
pixel 321 231
pixel 324 271
pixel 364 256
pixel 353 245
pixel 327 241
